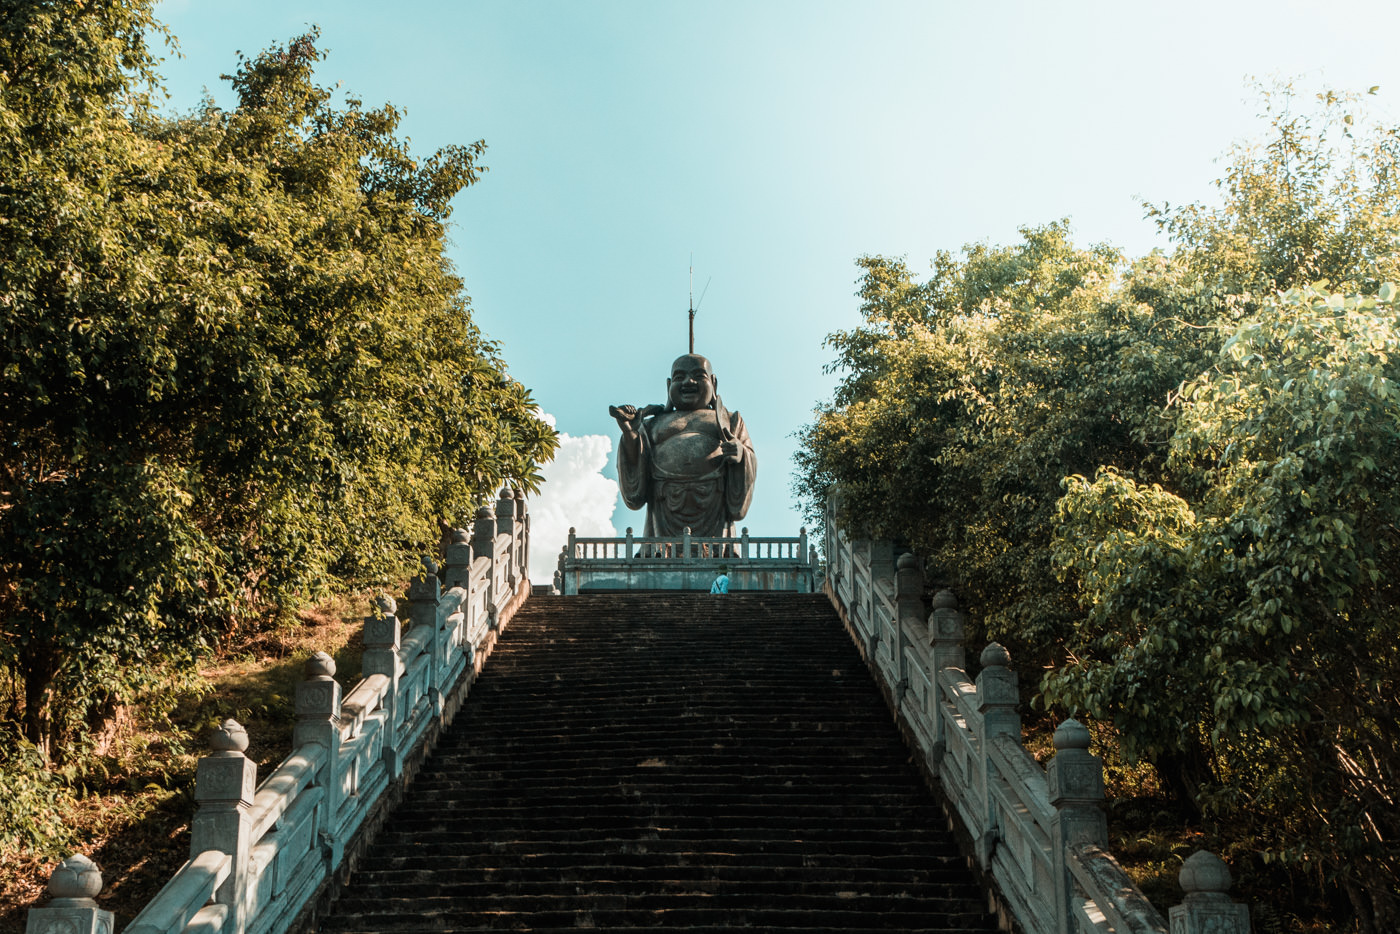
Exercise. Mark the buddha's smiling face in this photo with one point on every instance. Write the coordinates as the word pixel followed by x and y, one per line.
pixel 692 384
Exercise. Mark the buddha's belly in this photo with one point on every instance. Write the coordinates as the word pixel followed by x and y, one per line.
pixel 689 454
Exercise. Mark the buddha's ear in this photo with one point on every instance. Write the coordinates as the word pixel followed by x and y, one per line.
pixel 714 381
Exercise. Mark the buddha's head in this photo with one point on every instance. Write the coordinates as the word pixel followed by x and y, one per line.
pixel 692 384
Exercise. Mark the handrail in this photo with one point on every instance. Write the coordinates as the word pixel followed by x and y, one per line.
pixel 260 858
pixel 686 562
pixel 1038 835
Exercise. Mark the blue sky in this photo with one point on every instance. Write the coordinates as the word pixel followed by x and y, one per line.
pixel 776 142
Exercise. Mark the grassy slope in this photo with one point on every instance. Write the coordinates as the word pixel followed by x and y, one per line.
pixel 134 823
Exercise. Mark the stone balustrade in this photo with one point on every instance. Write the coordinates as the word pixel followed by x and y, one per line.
pixel 1039 835
pixel 264 857
pixel 685 562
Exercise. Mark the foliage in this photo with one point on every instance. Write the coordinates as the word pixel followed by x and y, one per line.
pixel 236 367
pixel 1168 483
pixel 1262 613
pixel 32 808
pixel 974 394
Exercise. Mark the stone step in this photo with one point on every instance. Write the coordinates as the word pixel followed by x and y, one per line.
pixel 675 762
pixel 544 914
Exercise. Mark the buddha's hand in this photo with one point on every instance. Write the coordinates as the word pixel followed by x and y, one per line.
pixel 729 447
pixel 628 418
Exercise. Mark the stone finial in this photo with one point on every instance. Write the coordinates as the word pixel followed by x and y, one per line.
pixel 996 656
pixel 1204 873
pixel 229 737
pixel 945 600
pixel 460 537
pixel 507 493
pixel 386 605
pixel 75 883
pixel 485 512
pixel 430 567
pixel 1070 735
pixel 907 562
pixel 319 666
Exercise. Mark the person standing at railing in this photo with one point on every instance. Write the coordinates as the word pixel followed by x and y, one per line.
pixel 691 462
pixel 721 584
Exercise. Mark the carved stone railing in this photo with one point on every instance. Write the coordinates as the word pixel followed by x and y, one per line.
pixel 263 857
pixel 1038 835
pixel 685 562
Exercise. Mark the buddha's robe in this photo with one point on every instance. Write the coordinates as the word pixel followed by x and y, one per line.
pixel 679 472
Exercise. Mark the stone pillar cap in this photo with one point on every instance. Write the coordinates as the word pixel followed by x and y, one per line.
pixel 319 665
pixel 1204 873
pixel 996 656
pixel 77 877
pixel 229 736
pixel 1071 735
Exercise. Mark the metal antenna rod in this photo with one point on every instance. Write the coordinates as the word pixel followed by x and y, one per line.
pixel 692 303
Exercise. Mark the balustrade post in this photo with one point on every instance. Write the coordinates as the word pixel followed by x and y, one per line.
pixel 381 657
pixel 318 722
pixel 685 545
pixel 484 546
pixel 457 561
pixel 522 537
pixel 802 545
pixel 74 885
pixel 997 699
pixel 522 530
pixel 630 554
pixel 946 630
pixel 909 613
pixel 505 525
pixel 223 792
pixel 744 543
pixel 1075 780
pixel 424 595
pixel 882 560
pixel 505 512
pixel 1207 907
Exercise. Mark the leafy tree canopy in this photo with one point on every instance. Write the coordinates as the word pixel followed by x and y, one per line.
pixel 1169 480
pixel 236 367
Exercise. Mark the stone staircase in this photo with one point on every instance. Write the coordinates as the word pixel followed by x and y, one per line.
pixel 667 761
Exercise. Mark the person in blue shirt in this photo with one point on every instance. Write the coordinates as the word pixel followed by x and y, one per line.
pixel 721 584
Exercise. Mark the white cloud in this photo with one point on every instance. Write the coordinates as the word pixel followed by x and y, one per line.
pixel 574 494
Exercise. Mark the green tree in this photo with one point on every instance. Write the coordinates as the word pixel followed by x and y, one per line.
pixel 1256 619
pixel 1233 437
pixel 236 366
